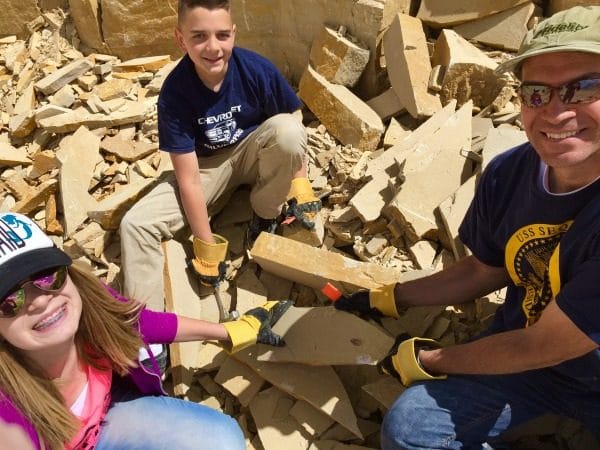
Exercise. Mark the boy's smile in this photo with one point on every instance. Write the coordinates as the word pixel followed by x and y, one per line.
pixel 207 36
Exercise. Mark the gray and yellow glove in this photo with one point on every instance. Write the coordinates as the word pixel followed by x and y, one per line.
pixel 403 363
pixel 209 260
pixel 303 205
pixel 255 326
pixel 377 302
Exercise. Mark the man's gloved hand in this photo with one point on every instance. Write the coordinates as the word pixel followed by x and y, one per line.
pixel 255 326
pixel 378 302
pixel 403 363
pixel 209 260
pixel 302 203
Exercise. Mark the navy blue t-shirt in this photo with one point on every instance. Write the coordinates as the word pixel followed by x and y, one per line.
pixel 193 117
pixel 514 222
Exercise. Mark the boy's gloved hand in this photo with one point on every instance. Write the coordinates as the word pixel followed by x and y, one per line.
pixel 209 260
pixel 255 326
pixel 403 363
pixel 302 202
pixel 379 302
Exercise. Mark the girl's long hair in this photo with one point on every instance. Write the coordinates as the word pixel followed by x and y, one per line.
pixel 107 332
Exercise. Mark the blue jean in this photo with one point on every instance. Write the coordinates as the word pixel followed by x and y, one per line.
pixel 468 412
pixel 156 423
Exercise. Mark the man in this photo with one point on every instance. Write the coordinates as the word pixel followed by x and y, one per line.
pixel 227 117
pixel 534 227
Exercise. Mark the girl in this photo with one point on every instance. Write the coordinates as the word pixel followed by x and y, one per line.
pixel 69 375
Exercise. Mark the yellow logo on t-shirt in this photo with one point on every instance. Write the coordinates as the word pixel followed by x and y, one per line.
pixel 532 263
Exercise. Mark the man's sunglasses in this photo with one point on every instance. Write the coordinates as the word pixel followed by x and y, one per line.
pixel 584 90
pixel 48 281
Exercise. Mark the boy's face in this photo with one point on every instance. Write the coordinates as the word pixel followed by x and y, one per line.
pixel 207 36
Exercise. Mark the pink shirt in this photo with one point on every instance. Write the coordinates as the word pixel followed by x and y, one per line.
pixel 94 409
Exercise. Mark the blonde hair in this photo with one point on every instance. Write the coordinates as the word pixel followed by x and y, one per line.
pixel 107 331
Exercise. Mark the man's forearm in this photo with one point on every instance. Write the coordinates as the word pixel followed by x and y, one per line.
pixel 465 281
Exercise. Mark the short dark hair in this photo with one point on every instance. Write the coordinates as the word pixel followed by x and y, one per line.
pixel 184 5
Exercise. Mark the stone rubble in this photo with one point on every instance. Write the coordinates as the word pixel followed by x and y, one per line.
pixel 395 171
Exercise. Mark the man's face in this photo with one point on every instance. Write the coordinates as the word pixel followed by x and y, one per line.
pixel 207 36
pixel 566 136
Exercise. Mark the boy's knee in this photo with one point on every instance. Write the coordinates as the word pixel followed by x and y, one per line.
pixel 402 424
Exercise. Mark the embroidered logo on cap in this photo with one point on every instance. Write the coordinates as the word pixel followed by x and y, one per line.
pixel 571 27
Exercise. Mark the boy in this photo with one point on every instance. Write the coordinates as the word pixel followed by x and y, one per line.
pixel 227 117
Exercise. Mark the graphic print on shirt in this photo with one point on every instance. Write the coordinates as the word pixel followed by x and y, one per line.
pixel 221 129
pixel 527 259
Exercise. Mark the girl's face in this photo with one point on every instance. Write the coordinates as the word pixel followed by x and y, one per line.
pixel 47 320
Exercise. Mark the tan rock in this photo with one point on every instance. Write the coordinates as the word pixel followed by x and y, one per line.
pixel 127 150
pixel 442 13
pixel 338 59
pixel 287 258
pixel 436 158
pixel 131 112
pixel 504 30
pixel 109 212
pixel 114 88
pixel 345 115
pixel 144 64
pixel 56 80
pixel 12 156
pixel 408 65
pixel 78 155
pixel 86 15
pixel 469 73
pixel 386 104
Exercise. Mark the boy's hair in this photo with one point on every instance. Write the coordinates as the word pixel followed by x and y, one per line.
pixel 184 5
pixel 107 332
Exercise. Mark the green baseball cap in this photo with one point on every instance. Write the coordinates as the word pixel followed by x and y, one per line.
pixel 575 29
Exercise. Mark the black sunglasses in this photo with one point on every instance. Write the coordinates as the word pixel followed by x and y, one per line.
pixel 52 280
pixel 583 90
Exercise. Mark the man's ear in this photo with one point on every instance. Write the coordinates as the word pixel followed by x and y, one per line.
pixel 179 39
pixel 233 28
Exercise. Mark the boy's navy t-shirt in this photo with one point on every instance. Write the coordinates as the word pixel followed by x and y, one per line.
pixel 514 222
pixel 192 117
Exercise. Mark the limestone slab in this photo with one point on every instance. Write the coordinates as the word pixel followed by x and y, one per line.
pixel 504 30
pixel 288 259
pixel 444 13
pixel 276 427
pixel 433 170
pixel 469 72
pixel 318 385
pixel 182 299
pixel 338 59
pixel 78 155
pixel 408 65
pixel 130 112
pixel 345 115
pixel 452 211
pixel 61 77
pixel 370 200
pixel 240 380
pixel 310 339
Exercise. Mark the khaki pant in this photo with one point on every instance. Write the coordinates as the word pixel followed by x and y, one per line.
pixel 266 159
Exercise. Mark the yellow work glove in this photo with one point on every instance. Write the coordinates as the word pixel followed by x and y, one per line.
pixel 302 205
pixel 402 361
pixel 377 302
pixel 209 260
pixel 255 326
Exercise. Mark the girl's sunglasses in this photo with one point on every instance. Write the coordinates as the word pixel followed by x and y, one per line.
pixel 584 90
pixel 48 281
